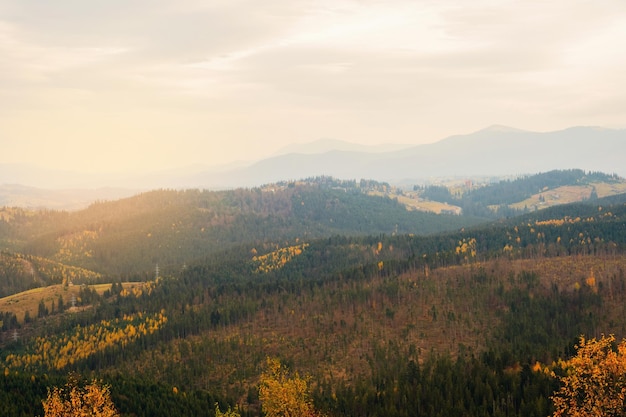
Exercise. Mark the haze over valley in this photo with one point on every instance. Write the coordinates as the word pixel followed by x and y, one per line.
pixel 495 152
pixel 312 208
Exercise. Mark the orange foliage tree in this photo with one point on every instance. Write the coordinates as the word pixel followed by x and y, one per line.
pixel 595 380
pixel 93 400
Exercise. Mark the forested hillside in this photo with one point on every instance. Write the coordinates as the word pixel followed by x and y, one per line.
pixel 21 272
pixel 171 228
pixel 476 320
pixel 507 198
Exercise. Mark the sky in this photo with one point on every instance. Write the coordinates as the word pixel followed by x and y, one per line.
pixel 135 86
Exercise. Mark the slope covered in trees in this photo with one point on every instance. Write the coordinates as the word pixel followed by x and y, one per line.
pixel 468 322
pixel 374 334
pixel 172 228
pixel 22 272
pixel 507 197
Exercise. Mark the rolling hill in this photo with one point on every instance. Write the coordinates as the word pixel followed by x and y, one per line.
pixel 383 324
pixel 388 311
pixel 525 193
pixel 171 228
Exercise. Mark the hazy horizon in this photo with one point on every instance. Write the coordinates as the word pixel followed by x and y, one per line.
pixel 132 87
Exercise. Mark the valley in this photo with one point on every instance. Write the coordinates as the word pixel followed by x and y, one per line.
pixel 312 208
pixel 176 299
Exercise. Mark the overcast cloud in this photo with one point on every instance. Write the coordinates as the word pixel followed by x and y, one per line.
pixel 141 85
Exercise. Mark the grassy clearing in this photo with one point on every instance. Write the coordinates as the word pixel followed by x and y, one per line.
pixel 430 206
pixel 569 194
pixel 29 300
pixel 554 197
pixel 606 189
pixel 412 202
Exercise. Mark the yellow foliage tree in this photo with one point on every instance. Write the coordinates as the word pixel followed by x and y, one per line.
pixel 595 381
pixel 282 395
pixel 93 400
pixel 279 258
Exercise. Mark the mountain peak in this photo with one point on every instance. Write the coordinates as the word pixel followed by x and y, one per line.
pixel 500 129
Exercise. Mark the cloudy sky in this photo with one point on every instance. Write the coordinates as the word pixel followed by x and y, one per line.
pixel 108 85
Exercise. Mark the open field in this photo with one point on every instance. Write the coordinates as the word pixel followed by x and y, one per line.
pixel 412 202
pixel 556 196
pixel 29 300
pixel 426 205
pixel 569 194
pixel 606 189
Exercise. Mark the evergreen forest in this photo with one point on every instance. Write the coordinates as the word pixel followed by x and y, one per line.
pixel 188 302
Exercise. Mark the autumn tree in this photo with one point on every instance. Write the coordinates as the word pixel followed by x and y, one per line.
pixel 595 380
pixel 94 399
pixel 282 395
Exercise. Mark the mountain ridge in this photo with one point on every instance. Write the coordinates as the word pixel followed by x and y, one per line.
pixel 488 152
pixel 494 151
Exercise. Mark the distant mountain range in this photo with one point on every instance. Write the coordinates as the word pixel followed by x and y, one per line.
pixel 494 151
